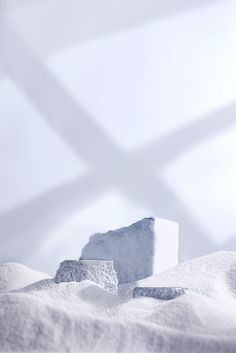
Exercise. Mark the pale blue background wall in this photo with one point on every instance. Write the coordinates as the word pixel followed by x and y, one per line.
pixel 111 111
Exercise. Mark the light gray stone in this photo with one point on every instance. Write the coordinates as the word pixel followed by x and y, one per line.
pixel 163 293
pixel 145 248
pixel 100 272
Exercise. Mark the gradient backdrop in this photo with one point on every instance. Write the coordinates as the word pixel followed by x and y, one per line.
pixel 110 111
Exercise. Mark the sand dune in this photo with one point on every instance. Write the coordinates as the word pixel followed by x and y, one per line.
pixel 14 275
pixel 81 316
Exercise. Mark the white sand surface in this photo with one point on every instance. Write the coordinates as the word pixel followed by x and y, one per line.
pixel 83 317
pixel 14 276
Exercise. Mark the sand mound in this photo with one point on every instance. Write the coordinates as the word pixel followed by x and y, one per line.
pixel 81 316
pixel 211 275
pixel 14 275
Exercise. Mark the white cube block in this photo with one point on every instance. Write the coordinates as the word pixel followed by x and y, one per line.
pixel 138 251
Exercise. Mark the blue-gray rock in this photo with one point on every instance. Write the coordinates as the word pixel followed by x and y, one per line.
pixel 100 272
pixel 143 249
pixel 163 293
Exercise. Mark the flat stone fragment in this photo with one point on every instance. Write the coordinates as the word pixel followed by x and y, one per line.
pixel 163 293
pixel 100 272
pixel 143 249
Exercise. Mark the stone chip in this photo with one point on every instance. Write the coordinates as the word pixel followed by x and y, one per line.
pixel 163 293
pixel 100 272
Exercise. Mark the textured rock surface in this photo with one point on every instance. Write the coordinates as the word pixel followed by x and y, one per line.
pixel 100 272
pixel 143 249
pixel 163 293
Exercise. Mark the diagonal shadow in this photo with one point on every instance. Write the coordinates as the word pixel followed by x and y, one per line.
pixel 6 5
pixel 171 146
pixel 52 100
pixel 229 244
pixel 40 214
pixel 146 189
pixel 93 19
pixel 2 75
pixel 81 29
pixel 74 125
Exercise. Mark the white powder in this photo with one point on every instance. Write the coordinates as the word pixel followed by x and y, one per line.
pixel 81 316
pixel 14 275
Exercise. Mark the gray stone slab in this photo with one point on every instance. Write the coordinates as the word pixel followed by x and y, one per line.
pixel 163 293
pixel 100 272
